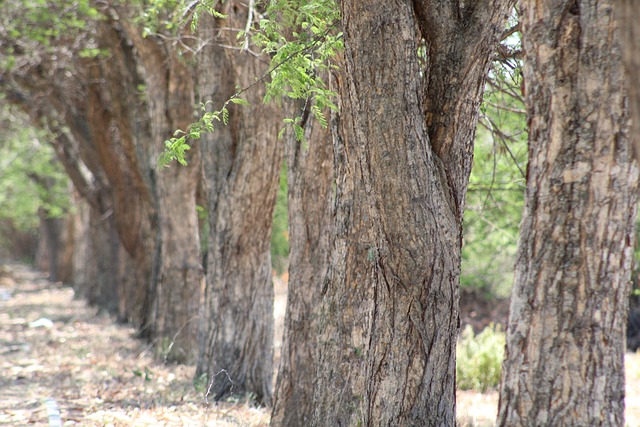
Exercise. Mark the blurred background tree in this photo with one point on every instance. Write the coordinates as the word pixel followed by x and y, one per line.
pixel 34 185
pixel 496 187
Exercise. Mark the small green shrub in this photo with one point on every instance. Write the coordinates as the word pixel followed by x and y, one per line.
pixel 479 358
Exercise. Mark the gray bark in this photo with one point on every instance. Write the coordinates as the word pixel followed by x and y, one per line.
pixel 389 317
pixel 241 166
pixel 566 333
pixel 311 220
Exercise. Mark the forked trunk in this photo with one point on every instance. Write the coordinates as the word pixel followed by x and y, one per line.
pixel 389 318
pixel 566 332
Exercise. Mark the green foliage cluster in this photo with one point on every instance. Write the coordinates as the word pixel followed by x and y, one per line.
pixel 176 147
pixel 44 21
pixel 495 197
pixel 479 358
pixel 159 15
pixel 171 17
pixel 30 177
pixel 32 29
pixel 303 43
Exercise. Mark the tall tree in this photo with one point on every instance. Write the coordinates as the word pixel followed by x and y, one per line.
pixel 121 95
pixel 169 81
pixel 411 84
pixel 241 167
pixel 303 44
pixel 565 337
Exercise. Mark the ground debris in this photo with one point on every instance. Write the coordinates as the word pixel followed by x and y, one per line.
pixel 90 369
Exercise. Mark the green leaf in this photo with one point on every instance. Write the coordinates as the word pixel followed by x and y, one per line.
pixel 299 131
pixel 239 101
pixel 225 116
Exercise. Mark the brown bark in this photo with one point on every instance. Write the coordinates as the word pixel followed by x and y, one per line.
pixel 55 247
pixel 134 213
pixel 241 167
pixel 99 258
pixel 154 209
pixel 566 331
pixel 311 216
pixel 390 310
pixel 177 294
pixel 102 267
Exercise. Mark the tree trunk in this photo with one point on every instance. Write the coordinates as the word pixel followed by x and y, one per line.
pixel 311 219
pixel 566 333
pixel 134 213
pixel 55 248
pixel 99 259
pixel 155 209
pixel 50 245
pixel 177 295
pixel 390 311
pixel 241 166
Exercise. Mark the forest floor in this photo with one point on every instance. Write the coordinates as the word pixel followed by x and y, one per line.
pixel 60 359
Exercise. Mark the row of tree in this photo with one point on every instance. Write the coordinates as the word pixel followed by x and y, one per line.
pixel 376 199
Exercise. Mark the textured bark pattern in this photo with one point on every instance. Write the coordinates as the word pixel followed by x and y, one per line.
pixel 390 310
pixel 155 209
pixel 133 213
pixel 177 293
pixel 565 338
pixel 241 166
pixel 311 220
pixel 99 259
pixel 629 17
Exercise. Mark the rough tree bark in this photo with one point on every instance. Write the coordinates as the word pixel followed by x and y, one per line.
pixel 133 208
pixel 176 295
pixel 403 155
pixel 154 209
pixel 311 220
pixel 241 168
pixel 566 331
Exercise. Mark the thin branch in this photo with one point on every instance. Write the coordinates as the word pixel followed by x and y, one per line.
pixel 505 108
pixel 280 64
pixel 247 27
pixel 506 89
pixel 510 31
pixel 494 189
pixel 502 137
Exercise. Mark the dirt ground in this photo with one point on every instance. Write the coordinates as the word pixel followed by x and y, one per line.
pixel 61 360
